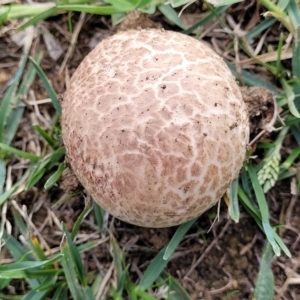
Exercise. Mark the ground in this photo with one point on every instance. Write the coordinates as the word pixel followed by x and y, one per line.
pixel 215 260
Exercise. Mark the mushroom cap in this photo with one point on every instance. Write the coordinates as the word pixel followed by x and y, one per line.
pixel 155 127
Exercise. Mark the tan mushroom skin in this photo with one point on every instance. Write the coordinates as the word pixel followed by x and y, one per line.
pixel 155 127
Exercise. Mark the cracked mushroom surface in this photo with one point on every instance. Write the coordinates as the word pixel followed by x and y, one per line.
pixel 155 127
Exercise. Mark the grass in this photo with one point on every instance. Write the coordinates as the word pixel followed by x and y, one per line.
pixel 59 273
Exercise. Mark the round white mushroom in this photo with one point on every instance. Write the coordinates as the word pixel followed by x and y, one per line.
pixel 155 127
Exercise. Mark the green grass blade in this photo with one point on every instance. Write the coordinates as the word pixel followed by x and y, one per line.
pixel 295 130
pixel 79 220
pixel 88 246
pixel 254 212
pixel 55 176
pixel 245 181
pixel 21 269
pixel 154 269
pixel 63 199
pixel 4 296
pixel 234 211
pixel 209 17
pixel 281 4
pixel 287 174
pixel 35 179
pixel 4 107
pixel 177 237
pixel 263 207
pixel 37 249
pixel 279 52
pixel 98 279
pixel 52 143
pixel 48 87
pixel 40 292
pixel 68 264
pixel 3 284
pixel 2 175
pixel 99 214
pixel 262 26
pixel 40 17
pixel 92 9
pixel 3 15
pixel 252 79
pixel 14 247
pixel 117 18
pixel 46 164
pixel 264 288
pixel 290 159
pixel 177 3
pixel 23 10
pixel 282 245
pixel 147 6
pixel 120 272
pixel 171 14
pixel 74 255
pixel 290 98
pixel 88 293
pixel 122 4
pixel 61 293
pixel 136 293
pixel 294 13
pixel 20 153
pixel 55 156
pixel 18 251
pixel 224 2
pixel 20 224
pixel 296 68
pixel 4 196
pixel 278 11
pixel 16 113
pixel 176 290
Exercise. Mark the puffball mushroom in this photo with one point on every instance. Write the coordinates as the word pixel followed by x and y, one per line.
pixel 155 127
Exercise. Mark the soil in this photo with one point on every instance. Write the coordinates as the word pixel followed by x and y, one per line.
pixel 214 261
